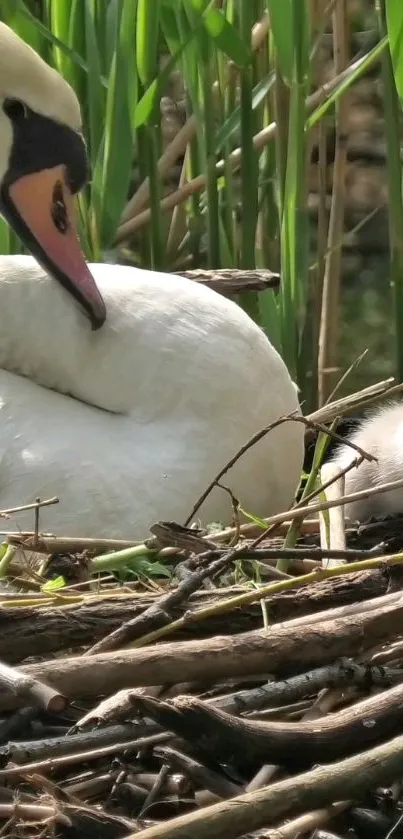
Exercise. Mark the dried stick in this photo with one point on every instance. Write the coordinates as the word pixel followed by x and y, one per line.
pixel 32 691
pixel 246 743
pixel 284 653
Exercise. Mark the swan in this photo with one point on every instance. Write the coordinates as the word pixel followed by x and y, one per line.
pixel 380 434
pixel 122 391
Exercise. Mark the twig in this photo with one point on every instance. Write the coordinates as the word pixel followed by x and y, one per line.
pixel 293 417
pixel 52 747
pixel 80 820
pixel 343 406
pixel 297 512
pixel 160 612
pixel 64 544
pixel 34 506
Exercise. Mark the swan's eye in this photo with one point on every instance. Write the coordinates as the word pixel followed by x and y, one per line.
pixel 15 110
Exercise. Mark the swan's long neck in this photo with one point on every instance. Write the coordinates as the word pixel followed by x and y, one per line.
pixel 45 338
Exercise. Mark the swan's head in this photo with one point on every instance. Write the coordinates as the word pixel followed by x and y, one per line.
pixel 43 163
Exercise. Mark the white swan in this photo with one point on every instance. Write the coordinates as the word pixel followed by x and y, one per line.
pixel 380 434
pixel 176 380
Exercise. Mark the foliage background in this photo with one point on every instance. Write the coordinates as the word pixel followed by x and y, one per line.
pixel 231 185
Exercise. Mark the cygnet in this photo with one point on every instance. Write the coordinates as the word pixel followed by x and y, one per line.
pixel 381 435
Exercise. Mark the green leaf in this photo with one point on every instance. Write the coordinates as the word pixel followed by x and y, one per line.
pixel 394 19
pixel 54 585
pixel 8 10
pixel 150 99
pixel 44 34
pixel 23 23
pixel 147 30
pixel 290 27
pixel 223 33
pixel 231 125
pixel 361 66
pixel 226 37
pixel 113 167
pixel 96 93
pixel 254 519
pixel 151 569
pixel 280 12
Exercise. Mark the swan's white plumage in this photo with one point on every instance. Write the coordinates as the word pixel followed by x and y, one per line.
pixel 129 424
pixel 380 434
pixel 183 378
pixel 25 76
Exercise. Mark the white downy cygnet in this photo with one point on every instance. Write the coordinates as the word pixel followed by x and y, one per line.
pixel 381 435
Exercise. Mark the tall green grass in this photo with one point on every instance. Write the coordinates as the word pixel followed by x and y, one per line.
pixel 243 152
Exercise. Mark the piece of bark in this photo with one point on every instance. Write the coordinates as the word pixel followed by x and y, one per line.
pixel 281 652
pixel 42 631
pixel 245 744
pixel 230 281
pixel 349 779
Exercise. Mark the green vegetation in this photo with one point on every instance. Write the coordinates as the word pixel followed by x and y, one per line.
pixel 253 103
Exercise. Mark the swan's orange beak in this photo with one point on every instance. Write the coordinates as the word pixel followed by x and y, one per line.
pixel 39 207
